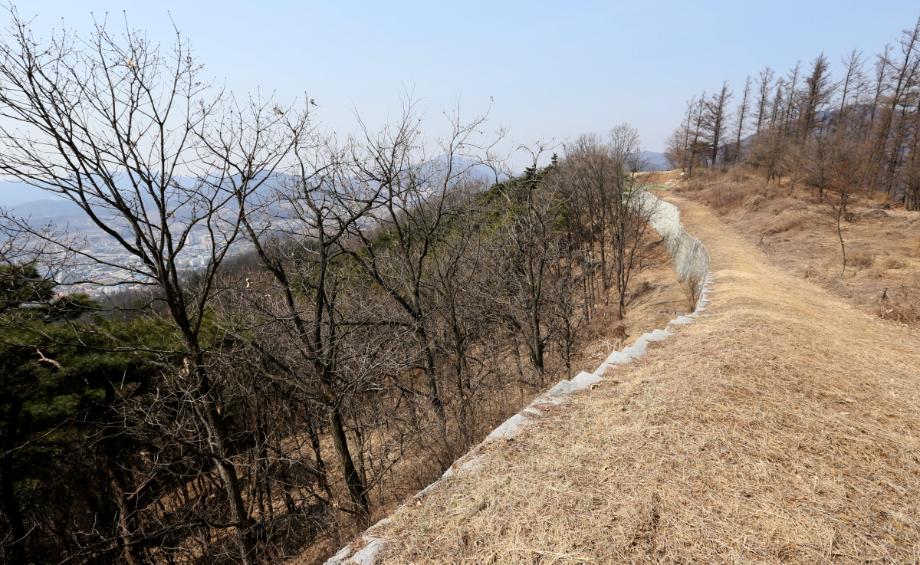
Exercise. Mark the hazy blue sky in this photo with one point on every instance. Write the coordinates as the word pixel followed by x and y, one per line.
pixel 554 69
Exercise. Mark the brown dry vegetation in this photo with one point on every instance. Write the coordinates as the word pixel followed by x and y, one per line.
pixel 656 297
pixel 781 426
pixel 797 232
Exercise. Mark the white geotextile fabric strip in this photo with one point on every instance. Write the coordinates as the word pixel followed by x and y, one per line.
pixel 691 261
pixel 690 257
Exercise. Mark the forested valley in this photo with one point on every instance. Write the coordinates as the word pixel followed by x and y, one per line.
pixel 394 300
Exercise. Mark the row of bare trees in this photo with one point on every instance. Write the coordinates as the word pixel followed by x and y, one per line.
pixel 366 309
pixel 811 127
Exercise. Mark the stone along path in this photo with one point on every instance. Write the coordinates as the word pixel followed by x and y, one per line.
pixel 783 425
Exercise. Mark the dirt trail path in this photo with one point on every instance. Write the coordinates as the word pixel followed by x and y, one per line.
pixel 782 425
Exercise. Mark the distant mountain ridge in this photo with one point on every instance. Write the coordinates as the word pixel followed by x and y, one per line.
pixel 654 161
pixel 30 202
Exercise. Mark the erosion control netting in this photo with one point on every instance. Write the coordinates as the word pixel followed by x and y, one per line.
pixel 690 257
pixel 691 262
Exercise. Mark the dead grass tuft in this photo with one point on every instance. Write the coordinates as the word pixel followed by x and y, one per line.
pixel 890 263
pixel 784 222
pixel 860 260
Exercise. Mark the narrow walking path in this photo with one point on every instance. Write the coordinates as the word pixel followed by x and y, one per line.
pixel 782 425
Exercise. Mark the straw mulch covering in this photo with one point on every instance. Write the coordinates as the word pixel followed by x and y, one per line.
pixel 783 425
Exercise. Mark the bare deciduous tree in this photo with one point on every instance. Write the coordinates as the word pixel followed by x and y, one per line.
pixel 131 135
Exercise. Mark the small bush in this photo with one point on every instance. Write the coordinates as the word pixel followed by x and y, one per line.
pixel 693 287
pixel 900 305
pixel 891 263
pixel 860 260
pixel 756 202
pixel 784 223
pixel 737 175
pixel 722 196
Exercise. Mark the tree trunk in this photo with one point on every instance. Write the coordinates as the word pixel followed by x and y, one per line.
pixel 17 550
pixel 431 375
pixel 321 473
pixel 353 480
pixel 217 445
pixel 912 193
pixel 125 523
pixel 120 486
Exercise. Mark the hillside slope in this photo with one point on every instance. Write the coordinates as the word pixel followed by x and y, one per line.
pixel 795 228
pixel 783 425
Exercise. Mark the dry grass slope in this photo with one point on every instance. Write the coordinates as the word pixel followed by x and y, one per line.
pixel 797 232
pixel 782 426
